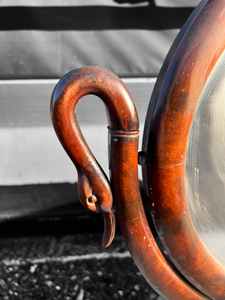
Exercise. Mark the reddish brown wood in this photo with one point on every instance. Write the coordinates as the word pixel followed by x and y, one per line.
pixel 124 172
pixel 180 87
pixel 134 225
pixel 93 187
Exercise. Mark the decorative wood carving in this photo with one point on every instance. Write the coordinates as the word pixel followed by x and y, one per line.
pixel 178 89
pixel 123 131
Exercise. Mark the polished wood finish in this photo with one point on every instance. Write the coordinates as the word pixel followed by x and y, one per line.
pixel 134 225
pixel 176 95
pixel 123 131
pixel 93 187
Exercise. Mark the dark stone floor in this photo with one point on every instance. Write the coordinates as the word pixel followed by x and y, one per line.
pixel 64 259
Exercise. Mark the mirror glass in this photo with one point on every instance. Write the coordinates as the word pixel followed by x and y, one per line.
pixel 205 164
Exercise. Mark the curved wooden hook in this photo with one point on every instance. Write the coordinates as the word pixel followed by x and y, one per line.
pixel 93 186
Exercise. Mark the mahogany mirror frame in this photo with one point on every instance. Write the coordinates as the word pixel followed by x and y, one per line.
pixel 92 183
pixel 172 106
pixel 122 194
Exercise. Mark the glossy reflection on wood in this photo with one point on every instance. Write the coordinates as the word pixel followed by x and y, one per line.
pixel 176 95
pixel 123 131
pixel 93 186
